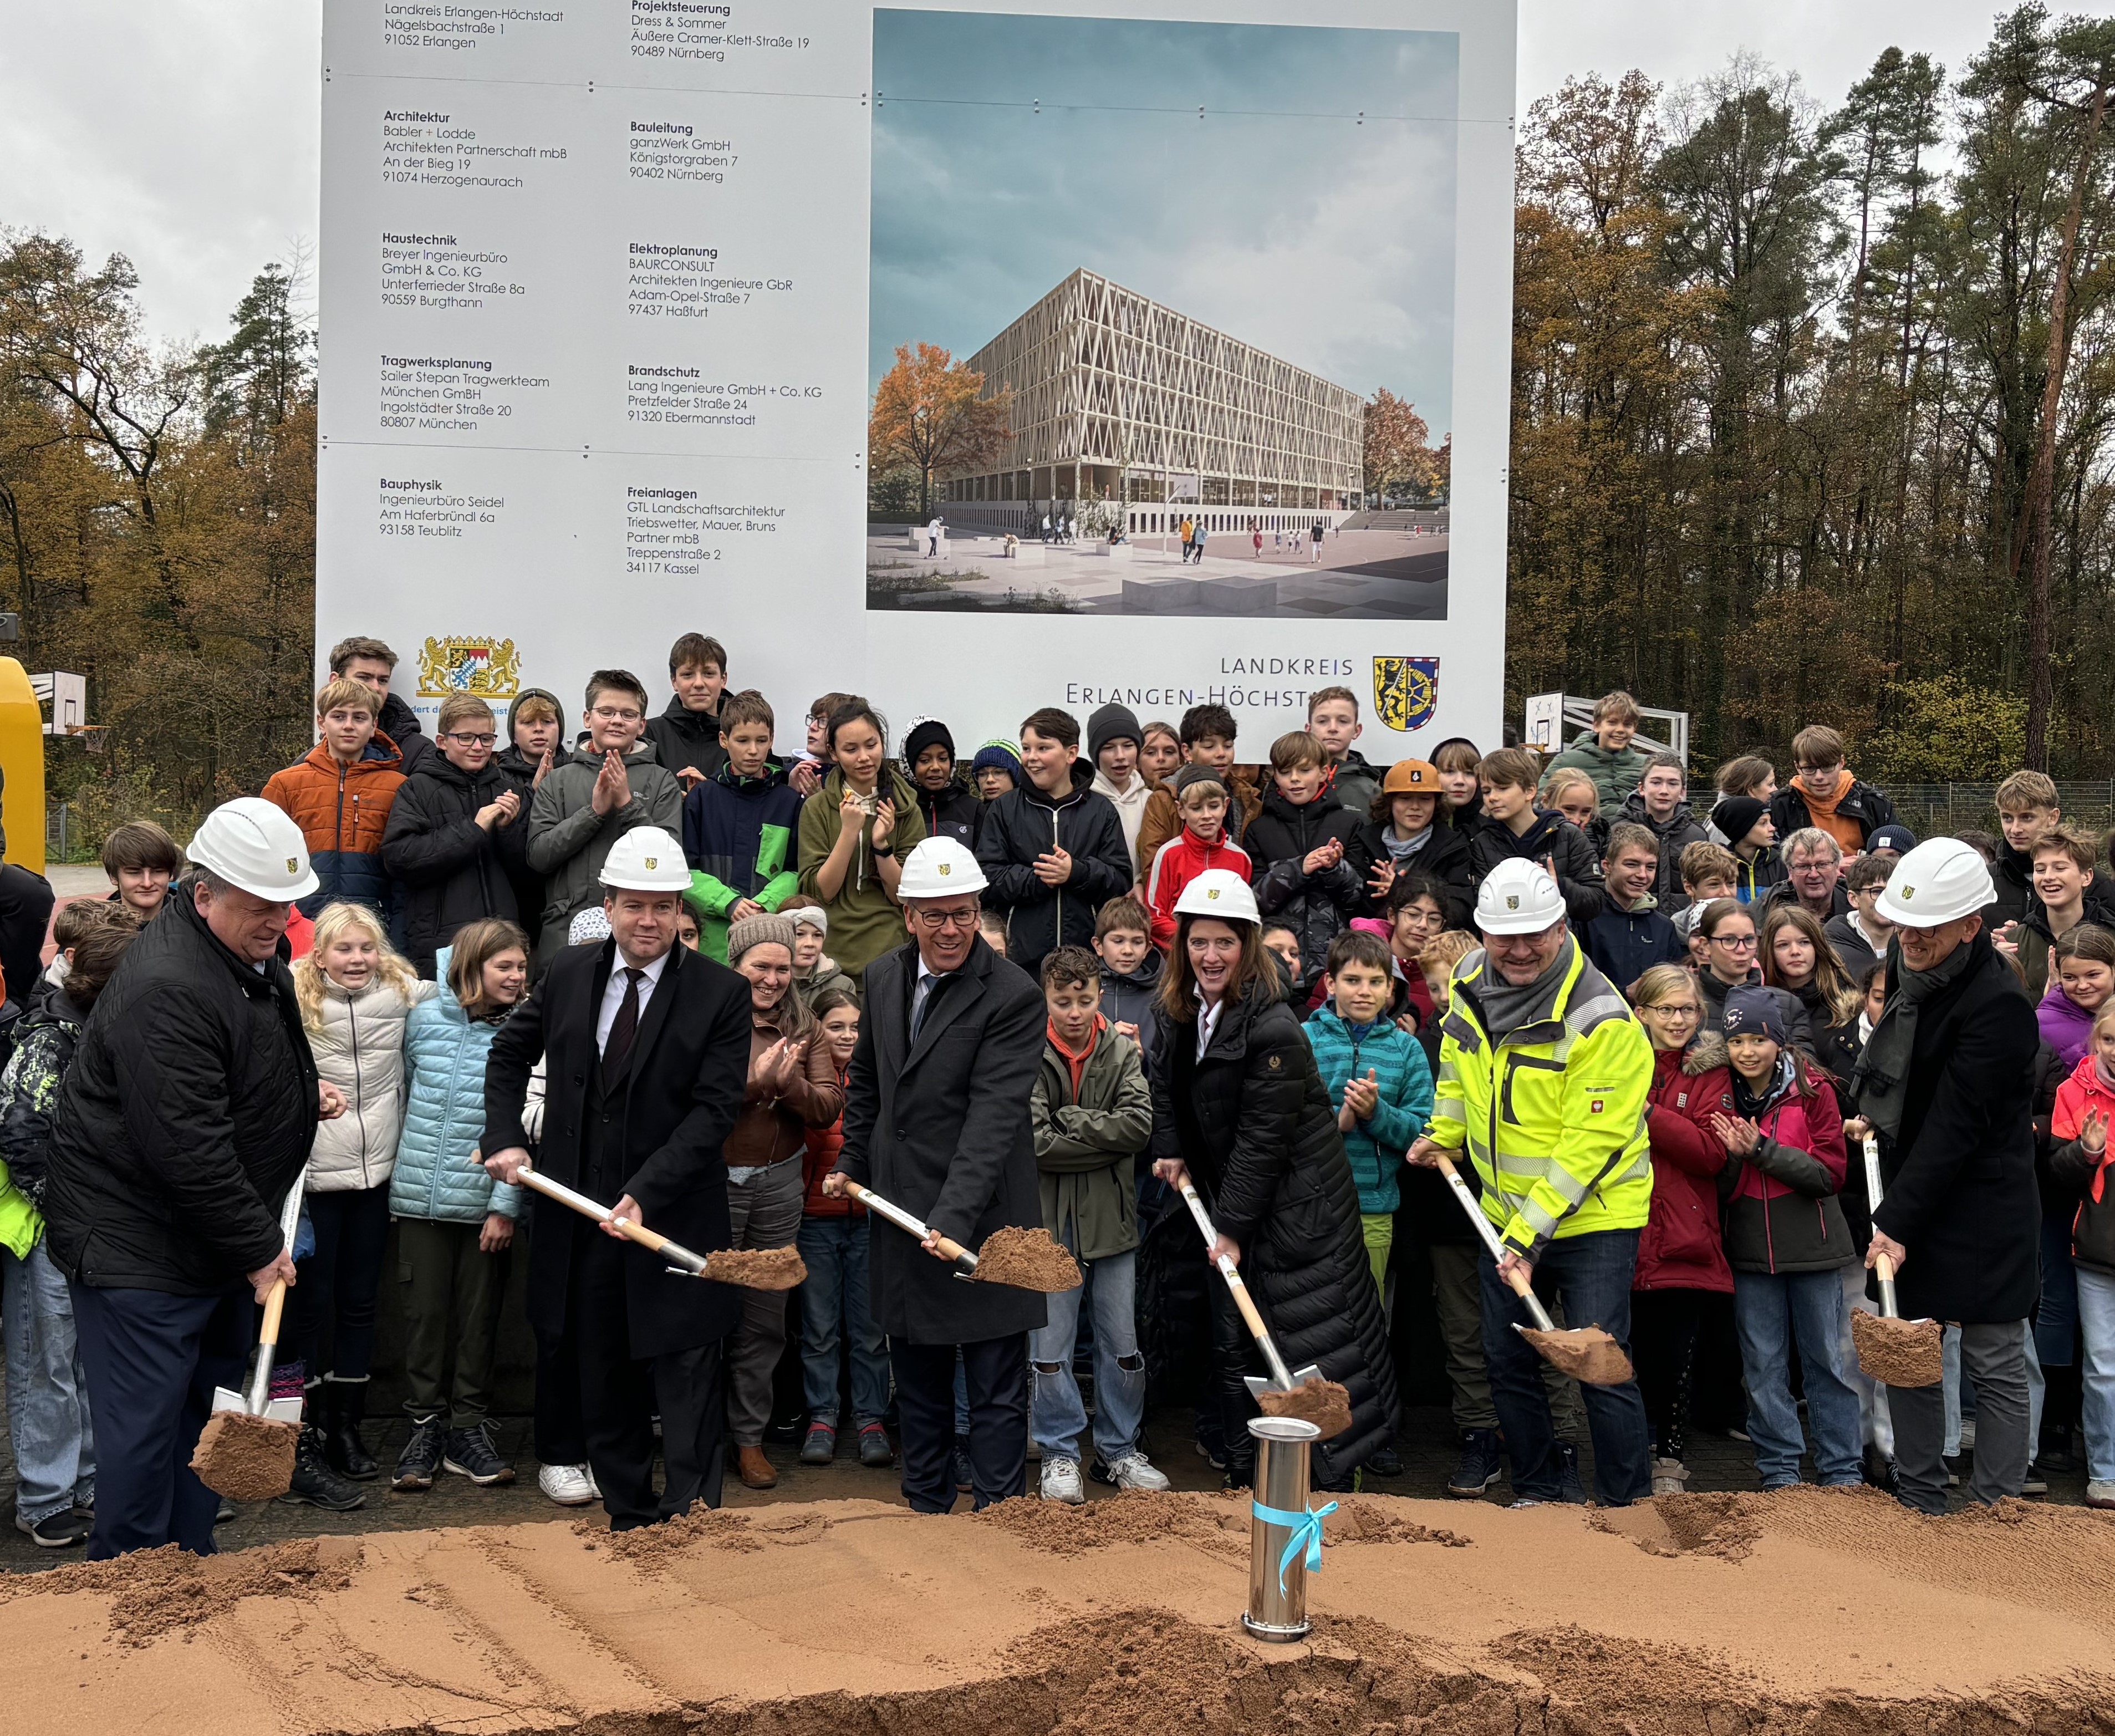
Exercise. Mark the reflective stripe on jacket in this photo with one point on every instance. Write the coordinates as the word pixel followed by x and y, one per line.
pixel 1553 1118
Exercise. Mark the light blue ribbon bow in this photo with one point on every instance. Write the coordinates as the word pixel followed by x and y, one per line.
pixel 1306 1533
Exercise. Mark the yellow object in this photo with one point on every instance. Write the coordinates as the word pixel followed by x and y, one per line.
pixel 1553 1118
pixel 22 764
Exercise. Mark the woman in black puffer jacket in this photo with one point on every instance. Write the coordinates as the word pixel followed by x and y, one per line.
pixel 1250 1121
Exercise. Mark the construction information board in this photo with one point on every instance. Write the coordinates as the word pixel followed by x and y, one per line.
pixel 896 348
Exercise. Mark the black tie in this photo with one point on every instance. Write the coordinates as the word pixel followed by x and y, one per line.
pixel 622 1029
pixel 922 998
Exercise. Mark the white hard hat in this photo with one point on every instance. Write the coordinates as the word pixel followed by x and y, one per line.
pixel 1518 897
pixel 252 844
pixel 1220 893
pixel 940 868
pixel 646 859
pixel 1941 879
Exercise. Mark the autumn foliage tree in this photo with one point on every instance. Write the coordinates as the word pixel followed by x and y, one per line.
pixel 157 530
pixel 1400 457
pixel 929 415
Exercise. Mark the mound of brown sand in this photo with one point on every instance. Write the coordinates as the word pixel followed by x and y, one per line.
pixel 245 1458
pixel 1845 1616
pixel 757 1268
pixel 1028 1259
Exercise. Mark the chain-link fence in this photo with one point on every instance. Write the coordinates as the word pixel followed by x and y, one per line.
pixel 1944 809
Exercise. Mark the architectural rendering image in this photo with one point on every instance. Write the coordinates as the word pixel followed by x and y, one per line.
pixel 1088 398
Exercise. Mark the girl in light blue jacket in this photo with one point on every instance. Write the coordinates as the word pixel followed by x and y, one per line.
pixel 454 1223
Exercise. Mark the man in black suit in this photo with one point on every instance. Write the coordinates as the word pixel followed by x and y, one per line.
pixel 936 1121
pixel 646 1048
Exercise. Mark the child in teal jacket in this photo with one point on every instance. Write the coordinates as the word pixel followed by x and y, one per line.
pixel 1377 1078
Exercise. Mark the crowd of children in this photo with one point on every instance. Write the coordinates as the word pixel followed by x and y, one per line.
pixel 1747 935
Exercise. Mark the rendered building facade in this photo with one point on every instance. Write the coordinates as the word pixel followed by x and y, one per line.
pixel 1118 397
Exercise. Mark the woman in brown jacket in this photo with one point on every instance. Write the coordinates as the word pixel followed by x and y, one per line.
pixel 793 1086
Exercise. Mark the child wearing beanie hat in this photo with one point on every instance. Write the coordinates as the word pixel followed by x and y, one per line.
pixel 946 803
pixel 1745 823
pixel 793 1086
pixel 996 769
pixel 1114 742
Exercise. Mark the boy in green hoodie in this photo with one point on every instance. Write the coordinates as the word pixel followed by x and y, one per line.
pixel 1607 753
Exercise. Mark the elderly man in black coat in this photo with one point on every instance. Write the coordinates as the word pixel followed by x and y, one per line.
pixel 936 1121
pixel 1947 1082
pixel 183 1124
pixel 645 1046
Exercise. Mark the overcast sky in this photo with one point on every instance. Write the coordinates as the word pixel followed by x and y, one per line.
pixel 183 132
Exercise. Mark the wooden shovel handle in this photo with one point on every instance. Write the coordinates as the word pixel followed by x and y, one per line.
pixel 1884 1267
pixel 275 1305
pixel 903 1220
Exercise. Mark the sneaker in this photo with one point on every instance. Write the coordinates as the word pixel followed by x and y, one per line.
pixel 963 1479
pixel 469 1454
pixel 1571 1490
pixel 1739 1432
pixel 1879 1470
pixel 2036 1483
pixel 68 1526
pixel 314 1484
pixel 569 1485
pixel 1669 1476
pixel 2055 1455
pixel 1212 1456
pixel 1967 1435
pixel 223 1512
pixel 1060 1481
pixel 1131 1470
pixel 421 1457
pixel 821 1445
pixel 1384 1462
pixel 1526 1500
pixel 2100 1495
pixel 1479 1467
pixel 874 1451
pixel 1952 1472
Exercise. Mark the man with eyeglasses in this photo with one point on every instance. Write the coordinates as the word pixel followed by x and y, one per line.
pixel 1544 1075
pixel 585 805
pixel 936 1121
pixel 457 839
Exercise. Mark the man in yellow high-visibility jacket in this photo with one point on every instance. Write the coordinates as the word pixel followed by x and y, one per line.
pixel 1543 1080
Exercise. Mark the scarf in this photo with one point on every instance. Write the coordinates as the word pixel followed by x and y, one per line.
pixel 1400 848
pixel 1822 812
pixel 1751 1104
pixel 1506 1006
pixel 1075 1064
pixel 1882 1077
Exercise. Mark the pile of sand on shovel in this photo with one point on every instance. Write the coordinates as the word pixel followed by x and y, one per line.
pixel 1585 1353
pixel 757 1268
pixel 245 1458
pixel 1322 1402
pixel 1897 1353
pixel 1027 1259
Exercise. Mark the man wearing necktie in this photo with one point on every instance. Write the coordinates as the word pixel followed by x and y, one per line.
pixel 646 1052
pixel 936 1120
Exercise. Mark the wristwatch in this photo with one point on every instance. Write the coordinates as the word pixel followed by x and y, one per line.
pixel 883 849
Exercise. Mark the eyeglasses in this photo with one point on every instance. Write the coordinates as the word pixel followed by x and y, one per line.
pixel 609 715
pixel 939 919
pixel 1675 1013
pixel 468 740
pixel 1734 943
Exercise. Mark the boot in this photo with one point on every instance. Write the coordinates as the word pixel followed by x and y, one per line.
pixel 315 1484
pixel 345 1403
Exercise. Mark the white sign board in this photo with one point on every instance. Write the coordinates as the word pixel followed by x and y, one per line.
pixel 606 289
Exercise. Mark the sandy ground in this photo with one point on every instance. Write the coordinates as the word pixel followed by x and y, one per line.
pixel 1812 1611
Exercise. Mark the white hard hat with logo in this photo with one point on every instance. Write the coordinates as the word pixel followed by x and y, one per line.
pixel 1940 881
pixel 1518 897
pixel 250 843
pixel 1220 893
pixel 646 859
pixel 940 868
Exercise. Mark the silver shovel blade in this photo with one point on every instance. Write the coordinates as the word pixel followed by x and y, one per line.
pixel 276 1410
pixel 1259 1384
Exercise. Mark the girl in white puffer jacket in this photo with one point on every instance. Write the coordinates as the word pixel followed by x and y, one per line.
pixel 356 995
